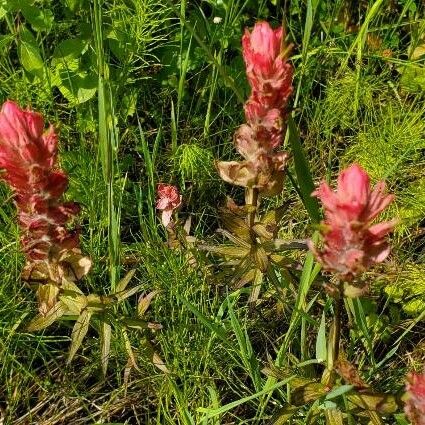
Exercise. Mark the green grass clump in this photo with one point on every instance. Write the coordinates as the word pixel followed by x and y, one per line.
pixel 408 289
pixel 194 165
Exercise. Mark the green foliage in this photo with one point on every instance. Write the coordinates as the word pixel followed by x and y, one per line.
pixel 194 165
pixel 146 91
pixel 408 288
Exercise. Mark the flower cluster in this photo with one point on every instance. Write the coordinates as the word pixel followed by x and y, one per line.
pixel 28 158
pixel 415 404
pixel 270 77
pixel 168 200
pixel 351 243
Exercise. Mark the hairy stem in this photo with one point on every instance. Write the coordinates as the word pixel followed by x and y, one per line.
pixel 251 199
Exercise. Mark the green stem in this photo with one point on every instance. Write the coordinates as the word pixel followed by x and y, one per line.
pixel 337 326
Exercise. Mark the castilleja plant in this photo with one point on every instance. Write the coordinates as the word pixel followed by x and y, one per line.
pixel 28 158
pixel 54 262
pixel 255 249
pixel 352 243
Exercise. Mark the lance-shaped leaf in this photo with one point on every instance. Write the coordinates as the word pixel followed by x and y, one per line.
pixel 79 332
pixel 47 295
pixel 334 417
pixel 260 258
pixel 43 321
pixel 154 356
pixel 283 415
pixel 232 238
pixel 265 231
pixel 235 224
pixel 385 404
pixel 225 250
pixel 105 345
pixel 274 216
pixel 145 302
pixel 278 245
pixel 121 296
pixel 122 284
pixel 140 324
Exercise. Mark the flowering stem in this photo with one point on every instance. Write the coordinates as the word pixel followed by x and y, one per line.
pixel 337 325
pixel 251 200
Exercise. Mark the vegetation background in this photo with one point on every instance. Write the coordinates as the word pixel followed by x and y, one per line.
pixel 145 91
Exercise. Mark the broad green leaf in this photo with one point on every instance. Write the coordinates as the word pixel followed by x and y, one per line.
pixel 39 18
pixel 69 49
pixel 41 322
pixel 30 57
pixel 77 88
pixel 78 333
pixel 105 345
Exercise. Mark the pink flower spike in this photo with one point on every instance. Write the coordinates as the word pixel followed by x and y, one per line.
pixel 352 243
pixel 269 75
pixel 415 404
pixel 28 161
pixel 168 200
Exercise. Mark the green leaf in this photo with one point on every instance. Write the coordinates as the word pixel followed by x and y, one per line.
pixel 302 171
pixel 145 302
pixel 321 344
pixel 41 322
pixel 77 88
pixel 105 345
pixel 68 52
pixel 78 333
pixel 122 284
pixel 139 324
pixel 334 417
pixel 225 250
pixel 337 391
pixel 40 19
pixel 282 416
pixel 210 413
pixel 123 295
pixel 29 55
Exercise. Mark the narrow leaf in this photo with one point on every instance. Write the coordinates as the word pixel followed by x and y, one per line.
pixel 122 284
pixel 78 333
pixel 334 417
pixel 41 322
pixel 145 302
pixel 105 345
pixel 321 349
pixel 302 170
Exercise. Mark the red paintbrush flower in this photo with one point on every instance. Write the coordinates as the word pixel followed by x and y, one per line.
pixel 268 72
pixel 351 242
pixel 28 159
pixel 168 200
pixel 270 78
